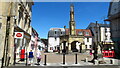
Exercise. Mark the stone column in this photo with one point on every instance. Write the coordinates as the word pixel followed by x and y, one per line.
pixel 11 41
pixel 69 47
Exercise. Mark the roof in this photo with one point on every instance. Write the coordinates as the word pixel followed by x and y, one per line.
pixel 100 25
pixel 56 32
pixel 80 30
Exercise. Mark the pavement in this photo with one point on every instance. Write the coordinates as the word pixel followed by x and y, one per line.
pixel 96 66
pixel 55 60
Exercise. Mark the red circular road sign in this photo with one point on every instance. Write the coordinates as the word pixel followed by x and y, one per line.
pixel 18 35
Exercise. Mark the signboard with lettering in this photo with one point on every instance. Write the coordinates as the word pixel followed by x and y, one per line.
pixel 19 35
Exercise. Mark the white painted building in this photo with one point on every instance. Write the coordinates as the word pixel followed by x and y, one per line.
pixel 54 38
pixel 104 35
pixel 41 45
pixel 88 42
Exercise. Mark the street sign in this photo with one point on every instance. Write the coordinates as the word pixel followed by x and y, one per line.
pixel 19 35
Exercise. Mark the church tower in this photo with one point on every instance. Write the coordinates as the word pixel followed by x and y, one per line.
pixel 72 22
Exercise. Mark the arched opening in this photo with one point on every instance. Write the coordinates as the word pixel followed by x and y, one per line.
pixel 64 47
pixel 75 46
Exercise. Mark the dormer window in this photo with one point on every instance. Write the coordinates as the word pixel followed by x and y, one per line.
pixel 80 33
pixel 55 32
pixel 87 33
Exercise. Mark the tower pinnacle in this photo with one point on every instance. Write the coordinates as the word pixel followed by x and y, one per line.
pixel 72 22
pixel 72 12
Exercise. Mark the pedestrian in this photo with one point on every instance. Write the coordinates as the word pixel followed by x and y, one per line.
pixel 90 51
pixel 38 55
pixel 30 57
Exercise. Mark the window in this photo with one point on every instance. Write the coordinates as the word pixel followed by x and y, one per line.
pixel 86 46
pixel 51 48
pixel 87 39
pixel 25 21
pixel 90 46
pixel 80 33
pixel 61 32
pixel 55 32
pixel 87 33
pixel 55 38
pixel 0 25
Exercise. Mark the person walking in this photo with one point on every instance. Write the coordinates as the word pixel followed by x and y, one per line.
pixel 38 56
pixel 30 57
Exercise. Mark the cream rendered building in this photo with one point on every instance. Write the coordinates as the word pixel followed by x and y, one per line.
pixel 15 17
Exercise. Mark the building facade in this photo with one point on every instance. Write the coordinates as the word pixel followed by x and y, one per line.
pixel 16 17
pixel 54 38
pixel 103 36
pixel 41 45
pixel 114 19
pixel 33 45
pixel 81 41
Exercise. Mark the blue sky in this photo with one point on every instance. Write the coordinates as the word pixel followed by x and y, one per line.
pixel 46 15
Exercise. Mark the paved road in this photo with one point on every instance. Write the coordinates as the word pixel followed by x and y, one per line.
pixel 98 66
pixel 57 59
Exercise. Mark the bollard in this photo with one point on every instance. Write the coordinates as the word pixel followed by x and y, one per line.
pixel 14 59
pixel 111 61
pixel 64 58
pixel 96 62
pixel 45 59
pixel 2 62
pixel 86 59
pixel 75 58
pixel 8 61
pixel 26 59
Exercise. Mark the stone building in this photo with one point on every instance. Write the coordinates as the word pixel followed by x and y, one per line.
pixel 114 19
pixel 73 40
pixel 15 17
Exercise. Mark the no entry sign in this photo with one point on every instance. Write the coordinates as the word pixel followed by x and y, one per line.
pixel 19 35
